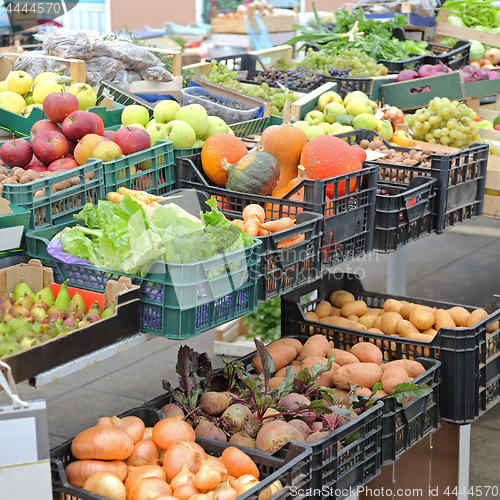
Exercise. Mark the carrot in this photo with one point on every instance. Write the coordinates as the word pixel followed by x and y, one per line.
pixel 278 225
pixel 263 232
pixel 253 215
pixel 291 241
pixel 239 223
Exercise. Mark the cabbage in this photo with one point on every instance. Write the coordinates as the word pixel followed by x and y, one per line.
pixel 476 51
pixel 456 21
pixel 448 40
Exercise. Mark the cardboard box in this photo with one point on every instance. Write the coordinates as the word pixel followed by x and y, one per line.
pixel 62 349
pixel 14 221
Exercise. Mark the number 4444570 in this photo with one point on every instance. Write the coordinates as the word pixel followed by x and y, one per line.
pixel 473 491
pixel 36 7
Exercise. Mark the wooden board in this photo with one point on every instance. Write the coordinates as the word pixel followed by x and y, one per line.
pixel 309 101
pixel 236 25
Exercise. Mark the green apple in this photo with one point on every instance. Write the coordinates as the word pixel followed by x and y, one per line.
pixel 180 133
pixel 386 131
pixel 165 111
pixel 43 89
pixel 151 122
pixel 155 131
pixel 327 98
pixel 107 151
pixel 137 125
pixel 19 82
pixel 29 98
pixel 314 131
pixel 145 165
pixel 84 93
pixel 359 105
pixel 198 143
pixel 3 86
pixel 333 110
pixel 44 76
pixel 367 121
pixel 135 114
pixel 215 126
pixel 196 116
pixel 302 124
pixel 353 95
pixel 338 128
pixel 315 117
pixel 325 126
pixel 27 110
pixel 12 101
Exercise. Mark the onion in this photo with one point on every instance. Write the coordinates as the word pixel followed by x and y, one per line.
pixel 168 430
pixel 406 74
pixel 133 426
pixel 238 483
pixel 106 484
pixel 207 478
pixel 181 478
pixel 247 486
pixel 426 70
pixel 104 441
pixel 135 474
pixel 225 492
pixel 186 491
pixel 204 496
pixel 493 75
pixel 180 453
pixel 492 55
pixel 238 463
pixel 148 433
pixel 218 464
pixel 148 488
pixel 145 453
pixel 79 471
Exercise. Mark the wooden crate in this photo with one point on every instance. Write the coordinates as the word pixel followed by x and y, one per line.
pixel 445 29
pixel 274 24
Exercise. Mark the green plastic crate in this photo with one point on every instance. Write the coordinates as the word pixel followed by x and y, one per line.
pixel 19 217
pixel 57 207
pixel 178 152
pixel 178 301
pixel 158 179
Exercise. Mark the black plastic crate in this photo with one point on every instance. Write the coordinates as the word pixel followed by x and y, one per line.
pixel 470 359
pixel 286 269
pixel 405 425
pixel 346 85
pixel 404 212
pixel 460 178
pixel 291 465
pixel 454 57
pixel 348 219
pixel 333 473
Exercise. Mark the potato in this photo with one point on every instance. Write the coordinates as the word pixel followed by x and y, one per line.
pixel 281 353
pixel 356 307
pixel 413 368
pixel 476 316
pixel 342 322
pixel 340 394
pixel 420 336
pixel 393 376
pixel 430 331
pixel 311 316
pixel 388 323
pixel 392 305
pixel 296 344
pixel 376 330
pixel 341 297
pixel 317 345
pixel 459 315
pixel 323 309
pixel 326 378
pixel 367 353
pixel 353 317
pixel 366 392
pixel 381 312
pixel 377 323
pixel 443 320
pixel 342 357
pixel 405 311
pixel 367 320
pixel 422 318
pixel 404 328
pixel 282 371
pixel 274 382
pixel 374 311
pixel 493 328
pixel 361 374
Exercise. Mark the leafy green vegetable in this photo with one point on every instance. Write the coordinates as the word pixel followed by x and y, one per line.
pixel 473 13
pixel 123 237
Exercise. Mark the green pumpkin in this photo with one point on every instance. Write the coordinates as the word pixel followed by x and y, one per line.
pixel 255 173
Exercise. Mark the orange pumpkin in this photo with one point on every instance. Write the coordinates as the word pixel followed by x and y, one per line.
pixel 272 210
pixel 217 147
pixel 285 142
pixel 328 156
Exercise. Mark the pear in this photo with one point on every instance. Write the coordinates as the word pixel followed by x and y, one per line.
pixel 45 294
pixel 27 342
pixel 77 305
pixel 37 327
pixel 17 323
pixel 63 299
pixel 75 325
pixel 53 331
pixel 55 311
pixel 21 289
pixel 109 311
pixel 25 301
pixel 39 313
pixel 4 297
pixel 3 327
pixel 85 322
pixel 42 304
pixel 69 321
pixel 60 326
pixel 44 337
pixel 23 333
pixel 12 347
pixel 95 309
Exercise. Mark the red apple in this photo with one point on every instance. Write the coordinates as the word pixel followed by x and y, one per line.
pixel 109 134
pixel 62 164
pixel 78 124
pixel 132 139
pixel 100 124
pixel 37 168
pixel 16 153
pixel 58 105
pixel 49 146
pixel 41 126
pixel 72 146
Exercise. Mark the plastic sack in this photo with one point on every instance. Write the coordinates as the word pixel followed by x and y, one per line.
pixel 424 8
pixel 32 65
pixel 156 73
pixel 136 58
pixel 54 248
pixel 71 44
pixel 102 68
pixel 124 78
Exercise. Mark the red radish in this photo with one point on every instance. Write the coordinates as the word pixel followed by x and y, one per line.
pixel 406 74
